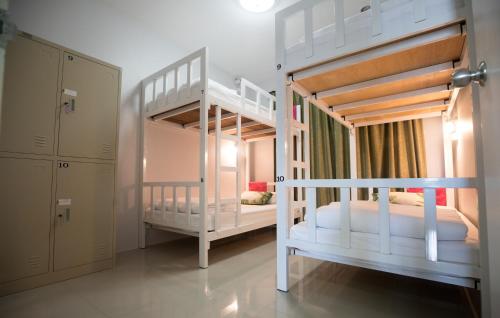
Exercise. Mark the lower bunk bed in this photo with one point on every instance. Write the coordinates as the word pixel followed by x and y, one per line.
pixel 174 207
pixel 457 238
pixel 418 239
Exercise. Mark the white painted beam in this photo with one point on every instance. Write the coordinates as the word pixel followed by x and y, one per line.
pixel 353 161
pixel 319 103
pixel 449 169
pixel 453 100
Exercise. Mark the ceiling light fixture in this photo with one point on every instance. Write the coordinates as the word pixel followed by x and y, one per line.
pixel 257 5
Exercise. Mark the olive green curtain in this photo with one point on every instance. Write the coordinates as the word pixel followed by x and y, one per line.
pixel 392 150
pixel 329 151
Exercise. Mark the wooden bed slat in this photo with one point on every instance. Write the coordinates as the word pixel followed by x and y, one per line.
pixel 427 54
pixel 413 100
pixel 401 114
pixel 391 88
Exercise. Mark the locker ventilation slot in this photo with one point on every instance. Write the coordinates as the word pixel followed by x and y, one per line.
pixel 34 262
pixel 101 250
pixel 107 148
pixel 40 141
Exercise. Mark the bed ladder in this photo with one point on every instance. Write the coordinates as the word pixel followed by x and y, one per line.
pixel 299 153
pixel 219 168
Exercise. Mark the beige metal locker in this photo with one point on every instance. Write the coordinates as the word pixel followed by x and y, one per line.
pixel 25 202
pixel 30 97
pixel 88 117
pixel 84 213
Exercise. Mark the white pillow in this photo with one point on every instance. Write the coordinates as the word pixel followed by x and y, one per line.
pixel 273 198
pixel 255 197
pixel 407 198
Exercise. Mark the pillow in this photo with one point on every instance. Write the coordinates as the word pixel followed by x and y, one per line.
pixel 406 198
pixel 260 186
pixel 255 198
pixel 273 198
pixel 440 194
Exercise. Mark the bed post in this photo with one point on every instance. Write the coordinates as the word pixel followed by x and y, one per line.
pixel 353 161
pixel 140 172
pixel 247 166
pixel 203 233
pixel 448 160
pixel 281 159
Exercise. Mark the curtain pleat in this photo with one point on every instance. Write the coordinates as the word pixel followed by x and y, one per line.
pixel 329 147
pixel 392 150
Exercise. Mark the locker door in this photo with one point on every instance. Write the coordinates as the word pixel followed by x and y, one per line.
pixel 89 113
pixel 25 192
pixel 29 97
pixel 84 213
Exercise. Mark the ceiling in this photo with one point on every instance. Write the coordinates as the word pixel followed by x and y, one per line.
pixel 240 43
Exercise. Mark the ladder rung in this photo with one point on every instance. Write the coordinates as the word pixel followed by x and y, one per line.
pixel 228 168
pixel 299 126
pixel 298 164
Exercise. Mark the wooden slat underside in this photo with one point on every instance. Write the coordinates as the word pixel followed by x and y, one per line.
pixel 427 54
pixel 413 81
pixel 391 88
pixel 396 114
pixel 395 103
pixel 194 116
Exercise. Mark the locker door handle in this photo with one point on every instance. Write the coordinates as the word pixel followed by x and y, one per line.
pixel 70 106
pixel 67 214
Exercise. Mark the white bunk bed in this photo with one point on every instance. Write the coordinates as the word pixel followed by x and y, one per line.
pixel 183 95
pixel 425 38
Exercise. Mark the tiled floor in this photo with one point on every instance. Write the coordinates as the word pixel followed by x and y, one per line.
pixel 164 281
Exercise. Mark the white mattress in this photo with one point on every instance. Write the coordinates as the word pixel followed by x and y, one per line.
pixel 249 214
pixel 464 251
pixel 405 220
pixel 221 95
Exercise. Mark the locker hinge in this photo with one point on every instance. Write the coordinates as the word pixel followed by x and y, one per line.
pixel 8 29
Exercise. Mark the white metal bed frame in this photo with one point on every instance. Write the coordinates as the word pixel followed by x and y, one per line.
pixel 313 58
pixel 164 96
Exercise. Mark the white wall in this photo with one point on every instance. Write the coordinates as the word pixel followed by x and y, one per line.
pixel 434 148
pixel 95 29
pixel 262 160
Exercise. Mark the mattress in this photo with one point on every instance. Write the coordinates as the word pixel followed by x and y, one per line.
pixel 405 220
pixel 464 251
pixel 227 218
pixel 220 95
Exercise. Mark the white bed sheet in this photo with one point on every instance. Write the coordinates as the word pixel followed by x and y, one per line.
pixel 465 251
pixel 405 220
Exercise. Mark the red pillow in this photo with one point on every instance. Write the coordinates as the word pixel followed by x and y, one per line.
pixel 260 186
pixel 440 194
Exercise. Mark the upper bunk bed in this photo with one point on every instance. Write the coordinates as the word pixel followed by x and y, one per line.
pixel 379 72
pixel 173 94
pixel 391 63
pixel 183 95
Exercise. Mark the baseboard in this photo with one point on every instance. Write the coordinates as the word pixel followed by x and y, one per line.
pixel 52 277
